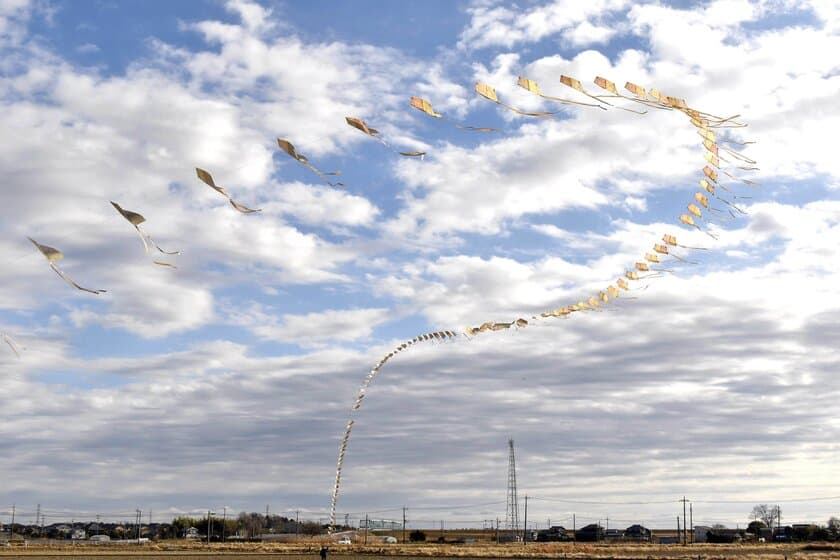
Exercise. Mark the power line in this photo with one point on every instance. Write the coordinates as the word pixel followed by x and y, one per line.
pixel 605 503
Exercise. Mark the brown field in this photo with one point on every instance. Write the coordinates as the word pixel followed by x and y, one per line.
pixel 182 550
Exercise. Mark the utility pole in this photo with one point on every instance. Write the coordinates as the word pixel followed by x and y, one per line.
pixel 685 525
pixel 691 519
pixel 12 529
pixel 224 522
pixel 525 525
pixel 403 524
pixel 209 526
pixel 366 527
pixel 497 530
pixel 139 519
pixel 678 527
pixel 38 517
pixel 297 523
pixel 574 529
pixel 267 523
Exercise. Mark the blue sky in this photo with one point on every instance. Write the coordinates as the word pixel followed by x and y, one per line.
pixel 261 336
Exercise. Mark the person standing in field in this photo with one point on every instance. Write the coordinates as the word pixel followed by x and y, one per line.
pixel 323 553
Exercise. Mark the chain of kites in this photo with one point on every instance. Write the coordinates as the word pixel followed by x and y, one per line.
pixel 716 151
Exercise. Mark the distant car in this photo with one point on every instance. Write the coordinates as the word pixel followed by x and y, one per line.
pixel 345 540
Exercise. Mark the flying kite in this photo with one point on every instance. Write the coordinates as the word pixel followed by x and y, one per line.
pixel 532 86
pixel 359 124
pixel 425 106
pixel 208 180
pixel 289 148
pixel 577 86
pixel 489 93
pixel 54 255
pixel 649 98
pixel 136 219
pixel 11 343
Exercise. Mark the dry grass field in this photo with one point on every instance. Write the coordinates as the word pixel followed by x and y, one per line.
pixel 182 550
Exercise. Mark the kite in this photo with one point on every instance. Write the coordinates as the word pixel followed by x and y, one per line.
pixel 425 106
pixel 208 180
pixel 532 86
pixel 489 93
pixel 136 219
pixel 289 148
pixel 54 255
pixel 663 250
pixel 577 86
pixel 12 344
pixel 650 98
pixel 359 124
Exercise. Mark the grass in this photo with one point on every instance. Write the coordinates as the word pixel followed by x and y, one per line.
pixel 178 550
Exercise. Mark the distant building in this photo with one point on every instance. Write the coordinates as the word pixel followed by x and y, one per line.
pixel 668 539
pixel 591 533
pixel 553 534
pixel 700 532
pixel 99 538
pixel 638 533
pixel 725 535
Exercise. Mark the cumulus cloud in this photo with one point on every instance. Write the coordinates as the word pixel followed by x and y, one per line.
pixel 493 24
pixel 261 337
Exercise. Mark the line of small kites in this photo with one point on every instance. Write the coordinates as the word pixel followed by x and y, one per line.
pixel 656 100
pixel 650 99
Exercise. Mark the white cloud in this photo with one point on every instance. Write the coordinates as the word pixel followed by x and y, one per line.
pixel 318 205
pixel 725 348
pixel 312 328
pixel 494 25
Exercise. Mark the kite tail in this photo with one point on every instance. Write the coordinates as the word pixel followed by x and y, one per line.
pixel 72 282
pixel 342 449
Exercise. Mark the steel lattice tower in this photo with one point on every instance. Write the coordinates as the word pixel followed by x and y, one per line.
pixel 512 512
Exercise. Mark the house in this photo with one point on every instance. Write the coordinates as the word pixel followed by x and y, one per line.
pixel 638 533
pixel 192 533
pixel 613 534
pixel 700 532
pixel 725 535
pixel 591 533
pixel 553 534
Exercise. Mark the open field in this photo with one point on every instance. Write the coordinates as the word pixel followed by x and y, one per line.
pixel 195 551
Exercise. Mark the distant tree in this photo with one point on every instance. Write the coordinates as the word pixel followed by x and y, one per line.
pixel 718 526
pixel 251 523
pixel 756 526
pixel 834 527
pixel 766 513
pixel 310 528
pixel 417 536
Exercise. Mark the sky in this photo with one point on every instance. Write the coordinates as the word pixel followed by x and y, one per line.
pixel 227 381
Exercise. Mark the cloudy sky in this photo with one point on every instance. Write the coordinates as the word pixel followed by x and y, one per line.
pixel 228 381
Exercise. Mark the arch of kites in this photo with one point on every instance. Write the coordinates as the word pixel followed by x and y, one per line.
pixel 721 159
